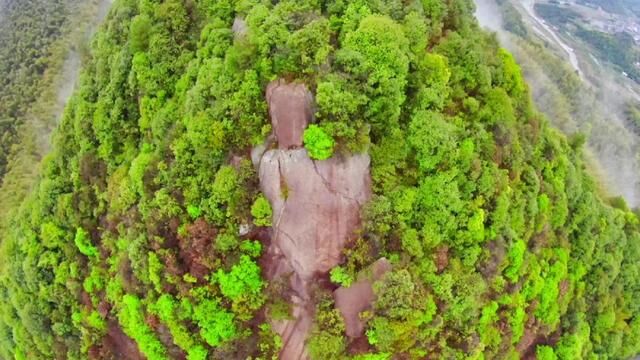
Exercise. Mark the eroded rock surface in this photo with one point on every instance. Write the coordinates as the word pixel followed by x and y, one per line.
pixel 291 110
pixel 359 297
pixel 316 208
pixel 316 205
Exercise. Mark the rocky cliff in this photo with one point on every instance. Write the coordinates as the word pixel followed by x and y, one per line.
pixel 316 207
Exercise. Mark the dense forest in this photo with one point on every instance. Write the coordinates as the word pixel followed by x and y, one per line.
pixel 40 61
pixel 133 244
pixel 30 34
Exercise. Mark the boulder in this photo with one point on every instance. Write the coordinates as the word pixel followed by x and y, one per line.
pixel 316 206
pixel 359 297
pixel 291 110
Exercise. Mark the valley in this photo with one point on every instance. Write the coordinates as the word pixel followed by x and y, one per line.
pixel 580 93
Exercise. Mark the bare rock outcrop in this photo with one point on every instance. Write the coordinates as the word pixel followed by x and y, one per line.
pixel 239 28
pixel 316 212
pixel 359 297
pixel 316 205
pixel 291 110
pixel 316 208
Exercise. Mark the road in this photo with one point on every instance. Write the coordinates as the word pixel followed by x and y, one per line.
pixel 573 59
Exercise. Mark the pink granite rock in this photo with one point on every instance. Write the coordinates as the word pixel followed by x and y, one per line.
pixel 291 110
pixel 316 208
pixel 359 297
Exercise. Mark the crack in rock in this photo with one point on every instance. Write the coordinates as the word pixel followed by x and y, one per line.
pixel 331 188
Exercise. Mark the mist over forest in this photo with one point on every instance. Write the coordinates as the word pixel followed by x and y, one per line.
pixel 595 105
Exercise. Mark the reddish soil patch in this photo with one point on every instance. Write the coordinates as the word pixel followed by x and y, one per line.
pixel 359 346
pixel 534 335
pixel 116 345
pixel 442 258
pixel 489 267
pixel 196 248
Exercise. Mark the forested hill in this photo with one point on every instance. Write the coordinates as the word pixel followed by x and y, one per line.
pixel 30 31
pixel 147 233
pixel 42 44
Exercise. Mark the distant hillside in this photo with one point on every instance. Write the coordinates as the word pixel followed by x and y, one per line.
pixel 615 6
pixel 32 35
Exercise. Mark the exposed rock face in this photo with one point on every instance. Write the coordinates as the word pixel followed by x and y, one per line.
pixel 359 297
pixel 291 110
pixel 293 332
pixel 316 208
pixel 239 28
pixel 316 205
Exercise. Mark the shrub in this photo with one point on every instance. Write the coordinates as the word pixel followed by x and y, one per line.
pixel 545 352
pixel 261 212
pixel 216 325
pixel 318 143
pixel 341 277
pixel 131 317
pixel 83 243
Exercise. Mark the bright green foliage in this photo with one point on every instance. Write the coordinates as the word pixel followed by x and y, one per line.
pixel 318 143
pixel 488 333
pixel 514 83
pixel 95 320
pixel 261 211
pixel 155 271
pixel 168 310
pixel 516 257
pixel 327 339
pixel 379 356
pixel 341 277
pixel 242 285
pixel 433 137
pixel 336 101
pixel 432 82
pixel 400 310
pixel 216 325
pixel 194 211
pixel 310 45
pixel 83 243
pixel 376 51
pixel 138 170
pixel 251 248
pixel 223 197
pixel 544 352
pixel 517 323
pixel 197 353
pixel 94 282
pixel 140 30
pixel 226 242
pixel 132 320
